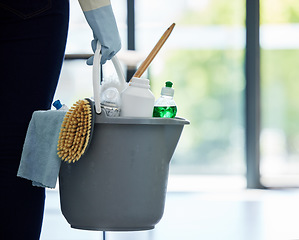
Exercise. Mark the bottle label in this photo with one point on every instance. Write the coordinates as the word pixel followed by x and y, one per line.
pixel 165 112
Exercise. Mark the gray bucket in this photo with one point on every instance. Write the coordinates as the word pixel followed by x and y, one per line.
pixel 120 183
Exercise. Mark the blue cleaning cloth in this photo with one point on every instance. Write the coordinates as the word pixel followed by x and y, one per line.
pixel 39 161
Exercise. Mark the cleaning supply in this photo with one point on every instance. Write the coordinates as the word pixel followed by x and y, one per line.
pixel 137 100
pixel 110 100
pixel 39 160
pixel 76 130
pixel 165 106
pixel 110 90
pixel 62 107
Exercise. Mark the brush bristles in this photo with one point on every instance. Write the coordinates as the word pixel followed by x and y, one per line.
pixel 75 132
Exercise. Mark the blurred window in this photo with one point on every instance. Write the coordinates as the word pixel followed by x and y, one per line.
pixel 203 57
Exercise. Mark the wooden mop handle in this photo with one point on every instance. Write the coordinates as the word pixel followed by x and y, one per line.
pixel 154 52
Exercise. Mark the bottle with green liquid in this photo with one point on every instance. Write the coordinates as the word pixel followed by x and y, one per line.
pixel 165 106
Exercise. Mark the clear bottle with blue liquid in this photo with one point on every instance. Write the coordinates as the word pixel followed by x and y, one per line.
pixel 165 106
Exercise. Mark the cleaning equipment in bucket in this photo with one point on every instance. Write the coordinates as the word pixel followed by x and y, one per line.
pixel 120 182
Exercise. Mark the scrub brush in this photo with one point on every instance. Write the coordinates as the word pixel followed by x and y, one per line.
pixel 75 132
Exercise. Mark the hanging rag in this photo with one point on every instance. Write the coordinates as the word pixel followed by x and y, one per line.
pixel 39 160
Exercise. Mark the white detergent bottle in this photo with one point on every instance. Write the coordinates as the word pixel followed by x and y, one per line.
pixel 137 100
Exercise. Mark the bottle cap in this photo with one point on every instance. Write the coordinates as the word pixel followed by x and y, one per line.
pixel 168 90
pixel 140 82
pixel 57 104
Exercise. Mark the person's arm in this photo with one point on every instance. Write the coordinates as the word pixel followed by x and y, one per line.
pixel 100 17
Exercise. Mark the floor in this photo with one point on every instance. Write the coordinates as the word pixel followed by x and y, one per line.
pixel 209 214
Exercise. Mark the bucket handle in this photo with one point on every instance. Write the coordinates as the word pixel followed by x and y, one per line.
pixel 96 76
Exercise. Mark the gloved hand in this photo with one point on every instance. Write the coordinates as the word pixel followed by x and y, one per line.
pixel 100 17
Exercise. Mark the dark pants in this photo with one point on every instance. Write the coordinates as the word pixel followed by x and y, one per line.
pixel 32 44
